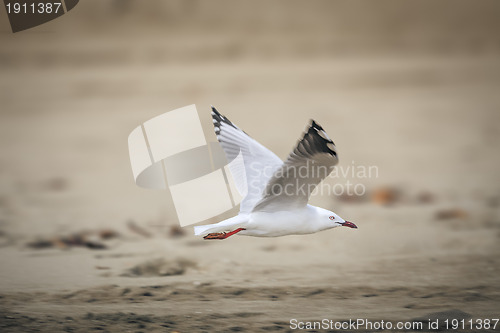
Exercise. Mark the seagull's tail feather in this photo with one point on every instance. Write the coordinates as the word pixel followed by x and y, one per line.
pixel 200 230
pixel 239 221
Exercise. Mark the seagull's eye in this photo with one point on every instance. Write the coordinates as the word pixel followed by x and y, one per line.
pixel 332 218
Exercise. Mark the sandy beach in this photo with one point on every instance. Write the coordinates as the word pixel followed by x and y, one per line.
pixel 409 89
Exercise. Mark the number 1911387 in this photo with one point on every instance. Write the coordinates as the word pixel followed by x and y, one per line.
pixel 479 324
pixel 33 8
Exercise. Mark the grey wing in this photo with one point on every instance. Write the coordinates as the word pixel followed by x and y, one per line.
pixel 312 160
pixel 259 163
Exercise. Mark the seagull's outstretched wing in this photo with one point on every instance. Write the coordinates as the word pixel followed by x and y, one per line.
pixel 259 163
pixel 312 160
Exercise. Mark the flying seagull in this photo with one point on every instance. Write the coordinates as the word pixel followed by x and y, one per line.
pixel 277 192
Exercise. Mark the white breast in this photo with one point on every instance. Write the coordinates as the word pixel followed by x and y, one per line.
pixel 281 223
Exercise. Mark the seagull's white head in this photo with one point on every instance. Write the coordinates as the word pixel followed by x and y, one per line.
pixel 336 221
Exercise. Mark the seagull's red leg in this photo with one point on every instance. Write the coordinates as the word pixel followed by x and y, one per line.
pixel 222 235
pixel 233 232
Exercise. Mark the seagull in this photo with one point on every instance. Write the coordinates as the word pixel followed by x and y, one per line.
pixel 277 192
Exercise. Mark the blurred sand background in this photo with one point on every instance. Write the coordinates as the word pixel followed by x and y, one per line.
pixel 411 87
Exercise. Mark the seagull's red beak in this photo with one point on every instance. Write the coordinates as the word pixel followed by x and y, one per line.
pixel 349 224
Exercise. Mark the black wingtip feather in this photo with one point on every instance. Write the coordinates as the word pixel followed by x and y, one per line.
pixel 219 118
pixel 321 141
pixel 314 124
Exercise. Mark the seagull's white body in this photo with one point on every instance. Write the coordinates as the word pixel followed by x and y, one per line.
pixel 306 220
pixel 276 192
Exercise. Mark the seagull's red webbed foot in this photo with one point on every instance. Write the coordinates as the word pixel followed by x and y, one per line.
pixel 215 235
pixel 222 235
